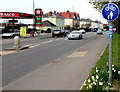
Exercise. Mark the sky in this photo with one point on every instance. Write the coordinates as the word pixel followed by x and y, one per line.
pixel 82 7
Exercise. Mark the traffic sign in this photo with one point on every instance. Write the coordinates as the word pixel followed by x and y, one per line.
pixel 110 32
pixel 110 26
pixel 110 11
pixel 110 36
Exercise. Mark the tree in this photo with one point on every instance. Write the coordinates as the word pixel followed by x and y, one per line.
pixel 99 5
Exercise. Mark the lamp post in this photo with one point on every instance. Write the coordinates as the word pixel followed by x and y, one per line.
pixel 33 18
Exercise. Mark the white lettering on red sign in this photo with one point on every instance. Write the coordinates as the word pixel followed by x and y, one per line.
pixel 7 14
pixel 38 11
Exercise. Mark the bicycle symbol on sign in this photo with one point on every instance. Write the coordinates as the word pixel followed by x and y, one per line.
pixel 110 8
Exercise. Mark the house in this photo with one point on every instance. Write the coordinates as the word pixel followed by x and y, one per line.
pixel 48 26
pixel 88 23
pixel 54 18
pixel 72 19
pixel 85 23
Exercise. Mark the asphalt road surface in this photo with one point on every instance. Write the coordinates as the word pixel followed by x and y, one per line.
pixel 40 53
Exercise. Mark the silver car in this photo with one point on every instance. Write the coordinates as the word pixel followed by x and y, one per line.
pixel 11 33
pixel 75 35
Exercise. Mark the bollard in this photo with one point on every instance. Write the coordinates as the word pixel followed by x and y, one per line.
pixel 16 42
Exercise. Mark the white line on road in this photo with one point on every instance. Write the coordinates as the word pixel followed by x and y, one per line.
pixel 6 52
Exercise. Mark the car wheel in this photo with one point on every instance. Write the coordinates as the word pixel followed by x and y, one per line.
pixel 53 36
pixel 68 38
pixel 13 36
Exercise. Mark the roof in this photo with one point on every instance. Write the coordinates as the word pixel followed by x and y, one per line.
pixel 51 14
pixel 70 15
pixel 89 20
pixel 47 23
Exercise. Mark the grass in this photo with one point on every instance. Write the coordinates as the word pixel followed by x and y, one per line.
pixel 102 69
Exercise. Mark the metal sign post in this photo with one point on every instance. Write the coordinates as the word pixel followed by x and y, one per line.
pixel 110 51
pixel 110 12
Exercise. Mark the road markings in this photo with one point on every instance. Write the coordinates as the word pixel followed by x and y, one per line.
pixel 47 42
pixel 77 54
pixel 6 52
pixel 59 39
pixel 30 46
pixel 34 45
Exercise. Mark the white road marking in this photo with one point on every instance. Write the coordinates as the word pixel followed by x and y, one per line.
pixel 59 39
pixel 47 41
pixel 6 52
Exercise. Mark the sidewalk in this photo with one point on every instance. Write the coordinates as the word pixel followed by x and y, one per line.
pixel 66 73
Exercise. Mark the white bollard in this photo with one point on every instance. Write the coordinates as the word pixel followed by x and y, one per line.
pixel 16 42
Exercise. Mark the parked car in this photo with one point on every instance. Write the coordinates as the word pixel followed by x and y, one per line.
pixel 59 33
pixel 82 31
pixel 99 31
pixel 75 35
pixel 94 30
pixel 11 33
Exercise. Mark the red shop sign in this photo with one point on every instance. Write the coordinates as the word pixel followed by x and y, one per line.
pixel 9 14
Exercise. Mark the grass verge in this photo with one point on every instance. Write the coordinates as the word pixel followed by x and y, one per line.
pixel 98 77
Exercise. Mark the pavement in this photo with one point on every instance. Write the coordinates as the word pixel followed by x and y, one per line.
pixel 66 73
pixel 41 36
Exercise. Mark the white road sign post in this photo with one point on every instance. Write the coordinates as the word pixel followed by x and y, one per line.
pixel 110 12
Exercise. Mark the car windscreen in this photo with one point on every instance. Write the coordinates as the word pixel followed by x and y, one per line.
pixel 56 30
pixel 9 31
pixel 75 32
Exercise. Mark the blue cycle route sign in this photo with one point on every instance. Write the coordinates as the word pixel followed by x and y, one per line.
pixel 110 11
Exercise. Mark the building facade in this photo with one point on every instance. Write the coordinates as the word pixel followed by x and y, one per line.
pixel 54 18
pixel 72 19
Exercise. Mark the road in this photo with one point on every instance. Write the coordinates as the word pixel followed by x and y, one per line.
pixel 41 52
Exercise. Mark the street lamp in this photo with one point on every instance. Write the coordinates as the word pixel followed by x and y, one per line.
pixel 33 17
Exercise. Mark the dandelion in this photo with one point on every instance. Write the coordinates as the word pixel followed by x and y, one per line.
pixel 89 80
pixel 100 83
pixel 97 77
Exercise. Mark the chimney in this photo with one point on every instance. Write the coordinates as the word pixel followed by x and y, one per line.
pixel 54 12
pixel 50 13
pixel 67 10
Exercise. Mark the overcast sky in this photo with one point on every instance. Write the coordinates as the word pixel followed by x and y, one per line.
pixel 26 6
